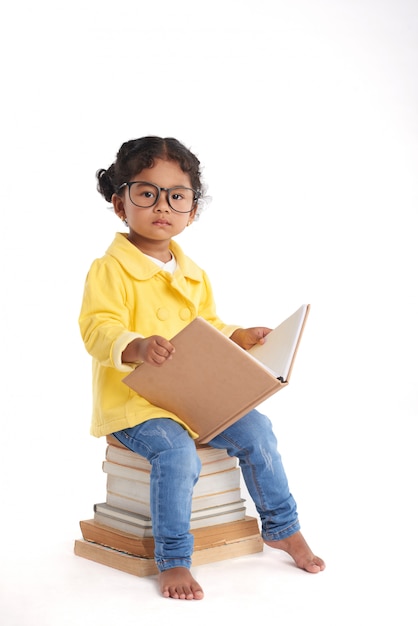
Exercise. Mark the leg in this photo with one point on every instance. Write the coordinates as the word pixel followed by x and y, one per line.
pixel 175 468
pixel 253 442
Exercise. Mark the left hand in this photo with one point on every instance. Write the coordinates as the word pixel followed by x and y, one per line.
pixel 248 337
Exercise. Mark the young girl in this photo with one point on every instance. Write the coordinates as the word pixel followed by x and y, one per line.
pixel 143 290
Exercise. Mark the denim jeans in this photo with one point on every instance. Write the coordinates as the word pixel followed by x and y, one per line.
pixel 175 468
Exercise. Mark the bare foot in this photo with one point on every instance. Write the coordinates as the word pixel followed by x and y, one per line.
pixel 296 546
pixel 178 583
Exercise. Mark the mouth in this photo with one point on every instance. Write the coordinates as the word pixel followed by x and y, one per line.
pixel 161 223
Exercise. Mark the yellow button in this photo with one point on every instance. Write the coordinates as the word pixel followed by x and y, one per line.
pixel 185 314
pixel 162 314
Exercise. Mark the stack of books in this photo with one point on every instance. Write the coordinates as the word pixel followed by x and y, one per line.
pixel 120 533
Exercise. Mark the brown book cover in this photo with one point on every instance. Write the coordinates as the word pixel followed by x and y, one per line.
pixel 138 566
pixel 211 382
pixel 112 558
pixel 204 538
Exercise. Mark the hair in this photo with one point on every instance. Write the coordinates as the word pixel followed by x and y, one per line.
pixel 139 154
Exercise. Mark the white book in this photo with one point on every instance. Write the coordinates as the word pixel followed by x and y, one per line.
pixel 198 503
pixel 199 519
pixel 278 352
pixel 126 527
pixel 128 516
pixel 132 482
pixel 212 459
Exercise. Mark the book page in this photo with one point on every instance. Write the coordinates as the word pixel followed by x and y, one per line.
pixel 278 352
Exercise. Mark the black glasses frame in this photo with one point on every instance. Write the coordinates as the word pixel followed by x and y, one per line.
pixel 196 194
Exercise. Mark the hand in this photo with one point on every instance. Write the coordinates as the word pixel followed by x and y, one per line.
pixel 154 350
pixel 248 337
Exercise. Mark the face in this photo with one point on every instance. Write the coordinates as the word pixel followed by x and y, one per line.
pixel 158 224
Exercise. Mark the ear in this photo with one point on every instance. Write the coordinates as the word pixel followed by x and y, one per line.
pixel 118 206
pixel 192 215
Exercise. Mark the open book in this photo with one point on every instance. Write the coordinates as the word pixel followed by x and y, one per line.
pixel 211 382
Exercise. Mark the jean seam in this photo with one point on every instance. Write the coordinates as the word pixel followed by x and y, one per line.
pixel 249 465
pixel 281 534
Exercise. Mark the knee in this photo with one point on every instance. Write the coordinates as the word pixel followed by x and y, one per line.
pixel 253 431
pixel 263 434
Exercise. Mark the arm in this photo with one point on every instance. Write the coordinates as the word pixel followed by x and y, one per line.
pixel 105 322
pixel 104 319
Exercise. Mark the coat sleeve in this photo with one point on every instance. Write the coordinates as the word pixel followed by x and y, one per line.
pixel 104 316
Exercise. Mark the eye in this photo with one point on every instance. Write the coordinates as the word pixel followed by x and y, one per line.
pixel 145 190
pixel 182 193
pixel 143 194
pixel 176 195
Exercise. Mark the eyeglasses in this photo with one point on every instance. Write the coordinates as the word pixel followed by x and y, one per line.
pixel 146 195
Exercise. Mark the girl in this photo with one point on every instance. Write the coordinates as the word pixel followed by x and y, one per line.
pixel 143 290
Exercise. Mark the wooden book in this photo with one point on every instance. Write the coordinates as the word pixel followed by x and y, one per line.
pixel 146 567
pixel 112 558
pixel 211 382
pixel 204 538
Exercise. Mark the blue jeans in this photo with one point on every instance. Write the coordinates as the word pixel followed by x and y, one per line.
pixel 175 468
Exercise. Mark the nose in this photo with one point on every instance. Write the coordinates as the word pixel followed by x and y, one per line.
pixel 163 203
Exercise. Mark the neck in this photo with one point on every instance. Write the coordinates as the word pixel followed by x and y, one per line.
pixel 157 249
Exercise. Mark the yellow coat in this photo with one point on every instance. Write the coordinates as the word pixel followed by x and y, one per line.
pixel 127 296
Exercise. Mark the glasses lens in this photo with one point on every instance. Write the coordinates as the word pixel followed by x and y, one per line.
pixel 143 194
pixel 181 199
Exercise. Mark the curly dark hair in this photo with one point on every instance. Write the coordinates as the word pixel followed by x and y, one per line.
pixel 139 154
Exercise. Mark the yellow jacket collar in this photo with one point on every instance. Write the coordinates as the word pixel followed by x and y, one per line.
pixel 140 267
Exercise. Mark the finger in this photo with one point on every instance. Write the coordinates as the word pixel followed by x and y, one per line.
pixel 166 347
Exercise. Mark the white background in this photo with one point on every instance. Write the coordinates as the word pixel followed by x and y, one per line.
pixel 313 104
